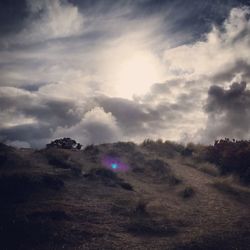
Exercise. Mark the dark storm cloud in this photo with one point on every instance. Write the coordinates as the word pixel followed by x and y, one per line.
pixel 107 119
pixel 25 132
pixel 228 112
pixel 131 115
pixel 141 118
pixel 187 96
pixel 56 112
pixel 239 67
pixel 40 116
pixel 12 15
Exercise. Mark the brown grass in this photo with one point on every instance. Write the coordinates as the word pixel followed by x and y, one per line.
pixel 230 185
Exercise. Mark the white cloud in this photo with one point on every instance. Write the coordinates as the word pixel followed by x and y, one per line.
pixel 117 57
pixel 221 47
pixel 97 126
pixel 51 19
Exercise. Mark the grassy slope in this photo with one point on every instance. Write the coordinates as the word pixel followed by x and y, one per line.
pixel 58 199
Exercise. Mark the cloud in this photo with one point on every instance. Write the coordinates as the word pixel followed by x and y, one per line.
pixel 31 117
pixel 220 49
pixel 54 111
pixel 228 112
pixel 49 19
pixel 106 72
pixel 239 68
pixel 31 133
pixel 97 126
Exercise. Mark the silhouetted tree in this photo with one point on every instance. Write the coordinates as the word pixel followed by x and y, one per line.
pixel 65 143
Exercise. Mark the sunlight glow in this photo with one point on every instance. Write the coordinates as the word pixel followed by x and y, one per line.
pixel 131 70
pixel 136 74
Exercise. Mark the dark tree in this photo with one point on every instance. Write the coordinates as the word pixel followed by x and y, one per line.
pixel 65 143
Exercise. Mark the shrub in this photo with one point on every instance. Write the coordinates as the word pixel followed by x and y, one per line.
pixel 231 156
pixel 167 148
pixel 126 186
pixel 141 208
pixel 187 192
pixel 64 143
pixel 92 149
pixel 107 177
pixel 62 160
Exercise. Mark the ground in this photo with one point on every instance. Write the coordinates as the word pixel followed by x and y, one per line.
pixel 71 199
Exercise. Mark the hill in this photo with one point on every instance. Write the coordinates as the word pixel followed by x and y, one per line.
pixel 157 195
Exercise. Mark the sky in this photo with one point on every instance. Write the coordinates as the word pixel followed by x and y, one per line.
pixel 103 71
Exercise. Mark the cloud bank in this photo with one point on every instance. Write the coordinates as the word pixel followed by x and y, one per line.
pixel 98 76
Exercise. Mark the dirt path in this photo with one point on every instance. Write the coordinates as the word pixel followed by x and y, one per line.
pixel 213 212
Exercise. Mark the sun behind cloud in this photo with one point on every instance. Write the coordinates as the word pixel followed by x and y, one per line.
pixel 132 70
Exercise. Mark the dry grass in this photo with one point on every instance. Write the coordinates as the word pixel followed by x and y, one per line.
pixel 139 209
pixel 230 185
pixel 202 166
pixel 209 168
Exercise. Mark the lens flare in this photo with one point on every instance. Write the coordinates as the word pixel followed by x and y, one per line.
pixel 114 164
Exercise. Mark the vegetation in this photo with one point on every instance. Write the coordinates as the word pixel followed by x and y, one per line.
pixel 160 148
pixel 187 192
pixel 107 177
pixel 19 187
pixel 64 198
pixel 232 157
pixel 64 143
pixel 230 186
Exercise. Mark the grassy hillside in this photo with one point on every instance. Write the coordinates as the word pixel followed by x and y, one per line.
pixel 157 195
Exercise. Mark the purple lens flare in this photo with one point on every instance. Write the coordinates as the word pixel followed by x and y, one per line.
pixel 114 164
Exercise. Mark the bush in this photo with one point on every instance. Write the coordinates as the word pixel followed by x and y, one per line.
pixel 188 192
pixel 62 160
pixel 231 157
pixel 126 186
pixel 108 178
pixel 166 149
pixel 64 143
pixel 141 208
pixel 92 149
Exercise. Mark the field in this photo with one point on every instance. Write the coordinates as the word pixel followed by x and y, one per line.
pixel 151 196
